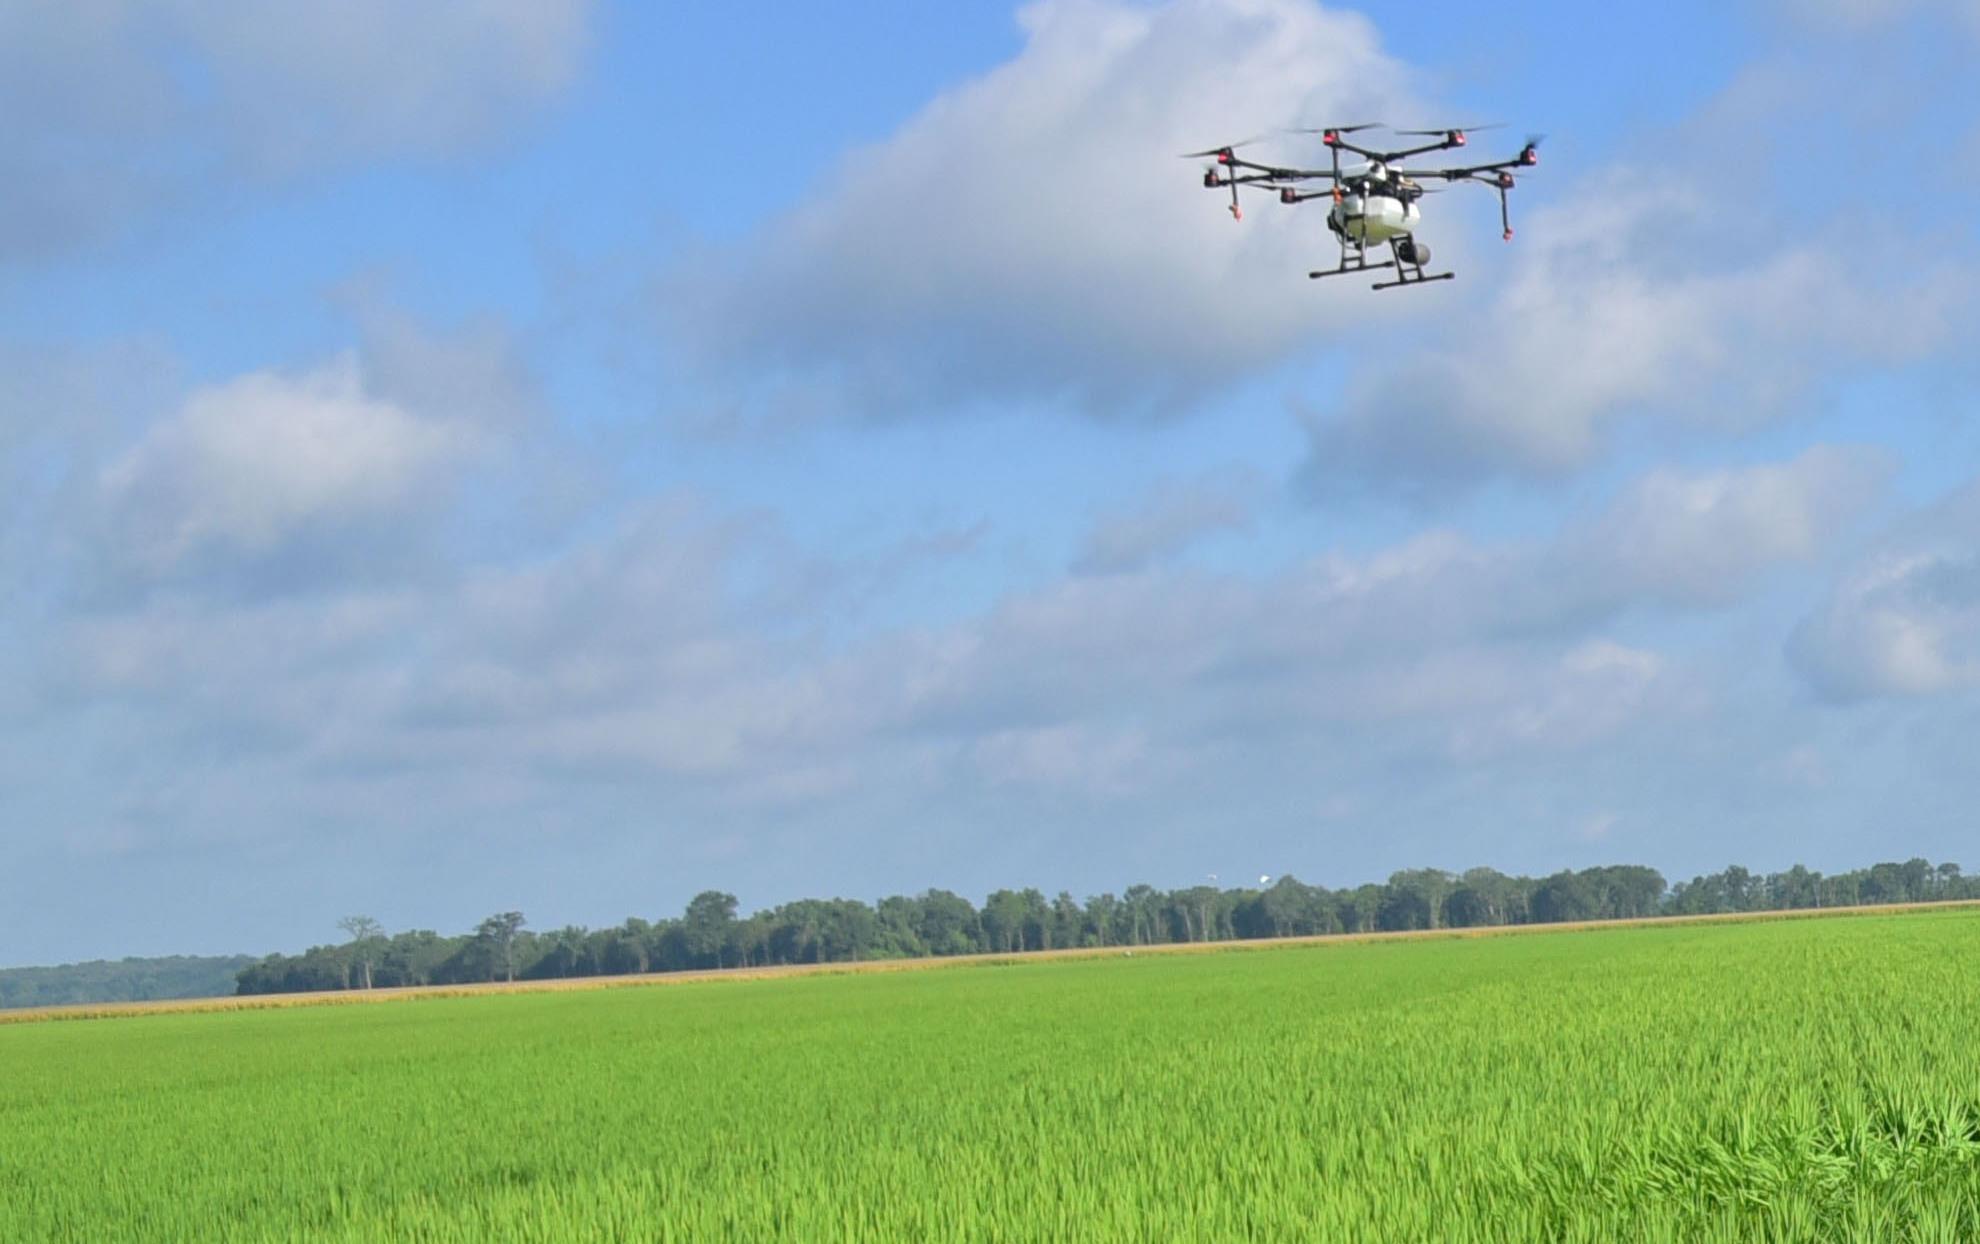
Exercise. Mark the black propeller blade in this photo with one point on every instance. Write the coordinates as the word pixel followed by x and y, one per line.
pixel 1337 129
pixel 1224 151
pixel 1454 129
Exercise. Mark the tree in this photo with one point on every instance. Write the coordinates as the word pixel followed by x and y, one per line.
pixel 1103 917
pixel 708 925
pixel 565 952
pixel 1358 907
pixel 899 917
pixel 1562 897
pixel 848 931
pixel 365 934
pixel 1491 898
pixel 1885 884
pixel 1797 887
pixel 498 933
pixel 948 924
pixel 1144 906
pixel 1003 921
pixel 1287 907
pixel 1037 920
pixel 1468 907
pixel 1430 886
pixel 1404 907
pixel 1917 884
pixel 1068 921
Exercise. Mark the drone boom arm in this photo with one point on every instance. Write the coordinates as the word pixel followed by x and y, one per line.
pixel 1390 157
pixel 1342 144
pixel 1528 156
pixel 1471 172
pixel 1273 172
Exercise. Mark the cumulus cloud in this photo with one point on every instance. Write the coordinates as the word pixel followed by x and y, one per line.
pixel 1700 538
pixel 1906 620
pixel 110 110
pixel 244 465
pixel 631 671
pixel 310 84
pixel 1592 691
pixel 1173 516
pixel 1031 233
pixel 1482 646
pixel 1602 317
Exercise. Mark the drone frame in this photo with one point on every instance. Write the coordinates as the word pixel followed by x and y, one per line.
pixel 1495 174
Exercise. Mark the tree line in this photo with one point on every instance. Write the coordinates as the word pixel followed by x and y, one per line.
pixel 711 934
pixel 123 980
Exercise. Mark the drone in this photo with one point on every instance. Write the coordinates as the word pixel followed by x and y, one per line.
pixel 1374 200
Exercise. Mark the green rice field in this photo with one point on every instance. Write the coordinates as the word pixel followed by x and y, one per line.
pixel 1795 1080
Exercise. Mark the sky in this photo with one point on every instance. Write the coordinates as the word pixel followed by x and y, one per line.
pixel 563 456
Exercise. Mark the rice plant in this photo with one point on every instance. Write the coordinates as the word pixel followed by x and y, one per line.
pixel 1804 1080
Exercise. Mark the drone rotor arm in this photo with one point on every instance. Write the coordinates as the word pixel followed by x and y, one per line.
pixel 1366 152
pixel 1267 170
pixel 1528 157
pixel 1390 157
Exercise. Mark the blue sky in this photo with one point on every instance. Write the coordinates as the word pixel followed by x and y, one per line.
pixel 564 456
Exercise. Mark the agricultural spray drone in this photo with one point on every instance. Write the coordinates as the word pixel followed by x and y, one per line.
pixel 1374 199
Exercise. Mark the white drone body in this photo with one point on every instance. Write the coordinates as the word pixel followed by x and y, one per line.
pixel 1369 214
pixel 1374 217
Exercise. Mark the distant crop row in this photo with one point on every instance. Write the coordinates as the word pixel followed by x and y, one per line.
pixel 1792 1080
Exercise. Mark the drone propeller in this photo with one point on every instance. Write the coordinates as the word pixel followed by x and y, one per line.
pixel 1530 153
pixel 1337 129
pixel 1223 154
pixel 1452 135
pixel 1454 129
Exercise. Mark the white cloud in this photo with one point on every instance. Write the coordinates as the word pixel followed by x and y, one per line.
pixel 1173 516
pixel 1904 623
pixel 1075 758
pixel 306 84
pixel 1031 234
pixel 641 652
pixel 1603 317
pixel 113 110
pixel 1593 691
pixel 1701 538
pixel 244 465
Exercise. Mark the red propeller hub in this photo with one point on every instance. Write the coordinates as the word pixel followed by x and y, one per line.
pixel 1330 137
pixel 1457 138
pixel 1529 156
pixel 1287 195
pixel 1505 181
pixel 1224 156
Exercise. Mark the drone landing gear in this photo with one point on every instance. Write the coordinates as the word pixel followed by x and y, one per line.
pixel 1406 256
pixel 1410 256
